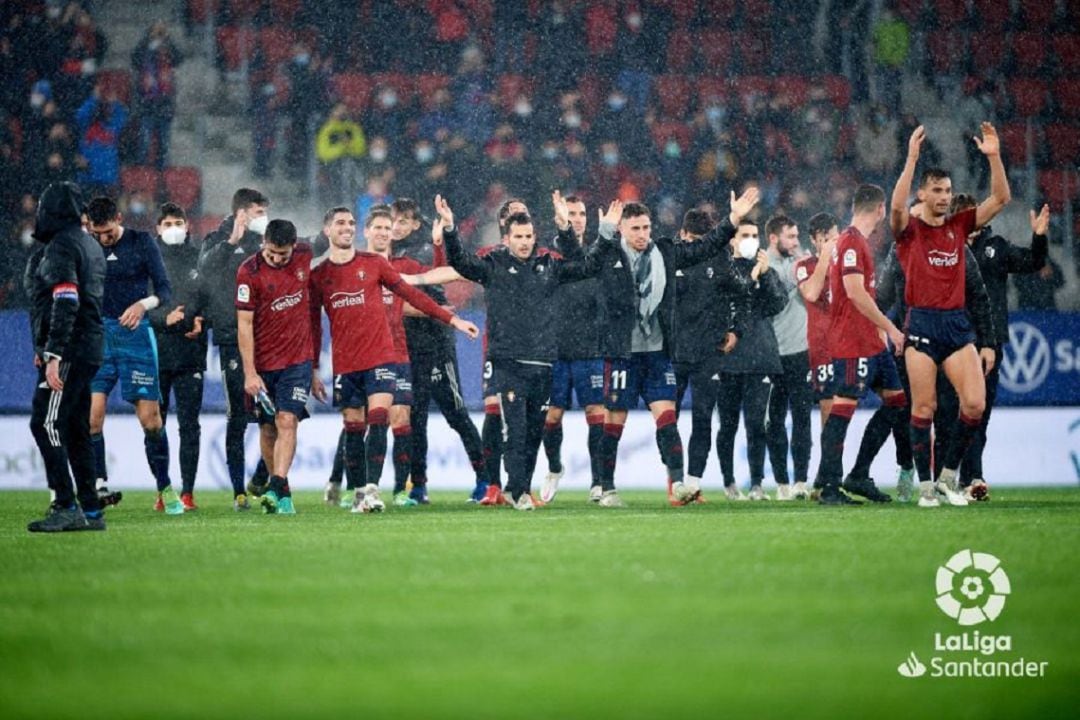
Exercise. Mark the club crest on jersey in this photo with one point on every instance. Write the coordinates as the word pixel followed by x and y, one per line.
pixel 940 258
pixel 709 273
pixel 362 275
pixel 243 293
pixel 990 252
pixel 850 258
pixel 300 275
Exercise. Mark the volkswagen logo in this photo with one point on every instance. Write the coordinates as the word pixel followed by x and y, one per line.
pixel 1026 361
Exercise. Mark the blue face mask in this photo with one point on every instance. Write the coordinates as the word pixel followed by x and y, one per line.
pixel 672 149
pixel 302 59
pixel 610 159
pixel 616 102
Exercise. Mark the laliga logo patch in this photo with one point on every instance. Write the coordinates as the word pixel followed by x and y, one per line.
pixel 972 587
pixel 243 293
pixel 850 258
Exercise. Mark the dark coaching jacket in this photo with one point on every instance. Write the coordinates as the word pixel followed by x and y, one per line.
pixel 519 295
pixel 218 263
pixel 424 335
pixel 890 296
pixel 700 315
pixel 997 258
pixel 176 352
pixel 757 352
pixel 619 298
pixel 577 311
pixel 65 281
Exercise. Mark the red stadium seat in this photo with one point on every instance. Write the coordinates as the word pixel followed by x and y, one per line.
pixel 752 52
pixel 839 90
pixel 1058 187
pixel 1029 52
pixel 710 88
pixel 402 84
pixel 986 49
pixel 137 178
pixel 757 12
pixel 352 89
pixel 664 131
pixel 426 86
pixel 949 13
pixel 991 14
pixel 910 10
pixel 115 82
pixel 1067 49
pixel 202 226
pixel 714 48
pixel 183 186
pixel 1038 15
pixel 236 45
pixel 276 44
pixel 1014 142
pixel 201 10
pixel 795 88
pixel 601 27
pixel 1067 97
pixel 947 52
pixel 751 85
pixel 719 13
pixel 1064 143
pixel 1028 95
pixel 244 9
pixel 285 11
pixel 673 95
pixel 510 86
pixel 680 51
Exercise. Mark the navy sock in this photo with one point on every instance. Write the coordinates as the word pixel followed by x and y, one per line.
pixel 831 469
pixel 920 446
pixel 670 444
pixel 491 440
pixel 156 443
pixel 596 436
pixel 553 437
pixel 378 424
pixel 877 432
pixel 97 442
pixel 962 435
pixel 609 453
pixel 337 469
pixel 353 455
pixel 402 457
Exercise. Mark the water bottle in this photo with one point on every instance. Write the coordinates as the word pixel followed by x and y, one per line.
pixel 266 405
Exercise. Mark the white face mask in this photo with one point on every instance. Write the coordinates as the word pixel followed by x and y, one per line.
pixel 378 154
pixel 173 235
pixel 748 248
pixel 27 237
pixel 258 225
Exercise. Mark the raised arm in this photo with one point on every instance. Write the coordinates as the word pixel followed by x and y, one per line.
pixel 469 266
pixel 898 212
pixel 434 276
pixel 397 285
pixel 990 146
pixel 1031 259
pixel 812 287
pixel 717 241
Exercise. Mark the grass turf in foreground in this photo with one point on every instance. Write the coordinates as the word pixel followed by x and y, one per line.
pixel 748 610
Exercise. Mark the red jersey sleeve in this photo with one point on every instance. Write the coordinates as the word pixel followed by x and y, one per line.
pixel 965 222
pixel 246 290
pixel 315 293
pixel 391 279
pixel 408 266
pixel 852 257
pixel 439 255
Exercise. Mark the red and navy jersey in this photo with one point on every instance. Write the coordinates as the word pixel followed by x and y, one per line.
pixel 352 295
pixel 395 307
pixel 817 314
pixel 933 261
pixel 281 300
pixel 851 334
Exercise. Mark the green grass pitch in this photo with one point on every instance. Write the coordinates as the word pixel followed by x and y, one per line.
pixel 457 611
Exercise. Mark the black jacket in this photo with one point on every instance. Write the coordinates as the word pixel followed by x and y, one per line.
pixel 176 352
pixel 577 312
pixel 519 295
pixel 424 336
pixel 890 296
pixel 218 263
pixel 756 352
pixel 997 258
pixel 701 320
pixel 65 280
pixel 619 298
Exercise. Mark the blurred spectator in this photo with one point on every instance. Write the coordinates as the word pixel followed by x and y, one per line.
pixel 100 121
pixel 378 162
pixel 560 47
pixel 609 173
pixel 138 209
pixel 617 120
pixel 511 22
pixel 85 51
pixel 1035 291
pixel 339 145
pixel 154 61
pixel 472 97
pixel 891 47
pixel 266 104
pixel 375 192
pixel 876 147
pixel 387 114
pixel 307 96
pixel 638 55
pixel 437 122
pixel 15 248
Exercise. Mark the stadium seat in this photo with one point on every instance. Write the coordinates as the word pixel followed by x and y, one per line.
pixel 680 51
pixel 601 27
pixel 427 84
pixel 839 90
pixel 1064 143
pixel 663 131
pixel 402 84
pixel 743 87
pixel 206 224
pixel 1028 96
pixel 183 186
pixel 285 11
pixel 236 44
pixel 276 44
pixel 986 51
pixel 720 13
pixel 509 87
pixel 752 52
pixel 714 48
pixel 1038 15
pixel 1014 142
pixel 991 14
pixel 138 178
pixel 1028 52
pixel 352 89
pixel 795 87
pixel 243 10
pixel 910 10
pixel 947 51
pixel 200 11
pixel 673 95
pixel 1059 186
pixel 1067 49
pixel 950 13
pixel 1067 97
pixel 709 88
pixel 115 82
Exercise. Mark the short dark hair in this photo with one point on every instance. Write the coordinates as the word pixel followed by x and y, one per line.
pixel 377 213
pixel 518 218
pixel 101 210
pixel 573 199
pixel 329 215
pixel 776 224
pixel 933 175
pixel 504 210
pixel 635 209
pixel 867 198
pixel 407 206
pixel 281 233
pixel 697 222
pixel 822 222
pixel 171 209
pixel 963 201
pixel 246 197
pixel 384 207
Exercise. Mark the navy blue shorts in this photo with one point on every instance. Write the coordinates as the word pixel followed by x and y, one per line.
pixel 938 333
pixel 289 388
pixel 585 378
pixel 403 384
pixel 822 381
pixel 646 375
pixel 853 376
pixel 352 390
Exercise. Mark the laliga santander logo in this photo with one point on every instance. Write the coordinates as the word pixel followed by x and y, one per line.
pixel 971 587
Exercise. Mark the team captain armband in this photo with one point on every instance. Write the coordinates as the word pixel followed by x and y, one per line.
pixel 66 291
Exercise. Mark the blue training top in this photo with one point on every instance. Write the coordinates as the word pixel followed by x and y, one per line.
pixel 130 266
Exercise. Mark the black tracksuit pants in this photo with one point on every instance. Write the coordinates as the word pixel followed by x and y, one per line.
pixel 790 390
pixel 435 377
pixel 60 424
pixel 237 414
pixel 523 391
pixel 750 394
pixel 703 380
pixel 187 385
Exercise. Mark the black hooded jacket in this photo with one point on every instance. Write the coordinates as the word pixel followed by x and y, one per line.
pixel 65 280
pixel 176 352
pixel 997 258
pixel 577 314
pixel 423 335
pixel 218 263
pixel 753 302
